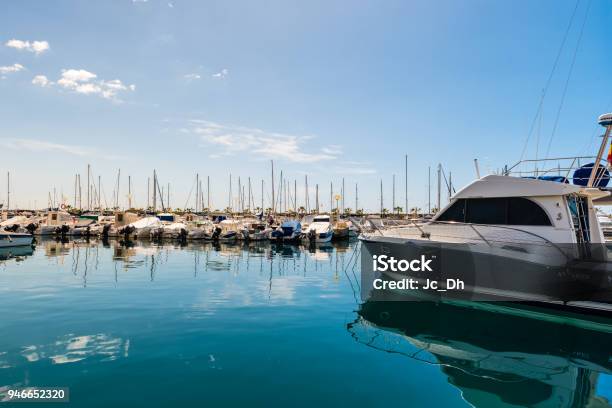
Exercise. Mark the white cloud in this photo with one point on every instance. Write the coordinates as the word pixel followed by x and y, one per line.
pixel 191 77
pixel 171 5
pixel 37 47
pixel 260 143
pixel 41 80
pixel 9 69
pixel 76 75
pixel 42 146
pixel 221 74
pixel 85 82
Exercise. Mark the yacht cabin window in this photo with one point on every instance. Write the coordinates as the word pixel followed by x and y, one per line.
pixel 498 211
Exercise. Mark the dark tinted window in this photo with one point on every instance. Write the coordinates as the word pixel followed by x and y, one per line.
pixel 486 210
pixel 522 211
pixel 455 212
pixel 500 211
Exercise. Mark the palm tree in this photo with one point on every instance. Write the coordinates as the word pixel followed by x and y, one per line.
pixel 348 211
pixel 398 210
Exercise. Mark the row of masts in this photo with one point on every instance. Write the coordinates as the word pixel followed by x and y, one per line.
pixel 284 196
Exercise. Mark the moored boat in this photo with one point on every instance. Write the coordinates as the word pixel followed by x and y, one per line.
pixel 320 229
pixel 290 231
pixel 10 239
pixel 514 238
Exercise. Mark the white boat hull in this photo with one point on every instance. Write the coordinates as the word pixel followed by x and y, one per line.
pixel 15 240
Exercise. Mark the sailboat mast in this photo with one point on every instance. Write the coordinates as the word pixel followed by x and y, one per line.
pixel 250 195
pixel 429 190
pixel 393 196
pixel 331 196
pixel 317 197
pixel 273 202
pixel 280 193
pixel 439 183
pixel 154 190
pixel 342 194
pixel 117 190
pixel 381 197
pixel 406 185
pixel 306 203
pixel 88 188
pixel 240 209
pixel 197 196
pixel 8 190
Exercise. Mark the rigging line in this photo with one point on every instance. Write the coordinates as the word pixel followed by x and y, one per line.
pixel 569 74
pixel 550 76
pixel 190 191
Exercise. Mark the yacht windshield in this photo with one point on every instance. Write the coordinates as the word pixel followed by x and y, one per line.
pixel 498 211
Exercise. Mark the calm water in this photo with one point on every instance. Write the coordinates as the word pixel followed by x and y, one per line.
pixel 234 325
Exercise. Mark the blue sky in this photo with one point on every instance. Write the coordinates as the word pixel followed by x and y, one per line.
pixel 329 89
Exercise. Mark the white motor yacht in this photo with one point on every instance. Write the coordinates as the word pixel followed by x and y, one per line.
pixel 255 230
pixel 141 229
pixel 513 238
pixel 57 223
pixel 320 229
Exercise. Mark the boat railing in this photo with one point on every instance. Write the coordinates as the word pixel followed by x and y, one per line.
pixel 556 166
pixel 491 235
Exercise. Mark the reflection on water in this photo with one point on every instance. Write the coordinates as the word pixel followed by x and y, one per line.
pixel 233 324
pixel 495 359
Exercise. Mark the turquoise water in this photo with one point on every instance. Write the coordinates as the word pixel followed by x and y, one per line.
pixel 231 325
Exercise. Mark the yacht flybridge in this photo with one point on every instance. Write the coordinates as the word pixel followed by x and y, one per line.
pixel 516 236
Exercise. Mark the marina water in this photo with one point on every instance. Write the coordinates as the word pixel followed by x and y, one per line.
pixel 234 325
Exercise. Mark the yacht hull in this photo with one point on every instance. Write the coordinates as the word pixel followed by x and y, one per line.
pixel 321 237
pixel 15 240
pixel 490 273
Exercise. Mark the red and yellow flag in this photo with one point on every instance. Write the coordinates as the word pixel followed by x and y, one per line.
pixel 610 155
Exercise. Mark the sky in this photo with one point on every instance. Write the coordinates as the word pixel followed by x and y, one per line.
pixel 327 89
